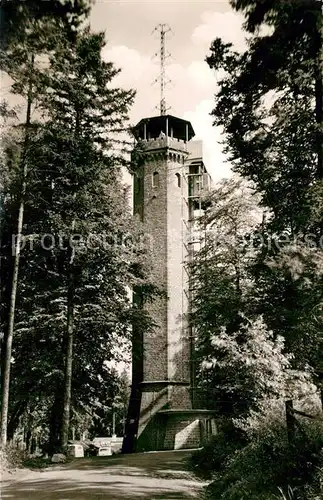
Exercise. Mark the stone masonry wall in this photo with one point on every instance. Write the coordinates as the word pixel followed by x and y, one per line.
pixel 166 350
pixel 183 433
pixel 155 220
pixel 177 217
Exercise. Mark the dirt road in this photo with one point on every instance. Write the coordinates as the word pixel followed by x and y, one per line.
pixel 145 476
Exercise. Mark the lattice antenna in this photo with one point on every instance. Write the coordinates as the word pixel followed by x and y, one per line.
pixel 163 29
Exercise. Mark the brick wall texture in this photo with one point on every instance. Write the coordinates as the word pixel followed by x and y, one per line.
pixel 160 198
pixel 163 209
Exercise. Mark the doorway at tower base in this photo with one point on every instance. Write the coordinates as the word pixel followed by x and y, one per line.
pixel 177 429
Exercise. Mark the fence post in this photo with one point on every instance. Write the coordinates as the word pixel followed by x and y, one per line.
pixel 290 420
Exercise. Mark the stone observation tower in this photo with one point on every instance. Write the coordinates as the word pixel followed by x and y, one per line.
pixel 163 412
pixel 167 197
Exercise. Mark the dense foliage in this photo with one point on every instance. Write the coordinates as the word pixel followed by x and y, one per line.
pixel 269 464
pixel 258 289
pixel 269 106
pixel 271 268
pixel 81 250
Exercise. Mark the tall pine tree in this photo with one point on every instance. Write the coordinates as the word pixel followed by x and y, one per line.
pixel 270 107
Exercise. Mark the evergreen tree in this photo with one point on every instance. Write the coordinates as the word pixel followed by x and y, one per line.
pixel 20 54
pixel 81 250
pixel 269 105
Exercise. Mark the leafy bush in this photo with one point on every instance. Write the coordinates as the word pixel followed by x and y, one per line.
pixel 271 413
pixel 269 462
pixel 217 451
pixel 12 457
pixel 15 458
pixel 246 367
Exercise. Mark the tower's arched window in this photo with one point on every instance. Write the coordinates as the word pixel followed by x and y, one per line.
pixel 179 180
pixel 155 179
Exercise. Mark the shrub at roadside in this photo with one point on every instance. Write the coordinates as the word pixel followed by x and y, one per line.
pixel 269 464
pixel 12 458
pixel 216 452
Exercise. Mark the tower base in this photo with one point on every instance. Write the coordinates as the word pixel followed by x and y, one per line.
pixel 177 429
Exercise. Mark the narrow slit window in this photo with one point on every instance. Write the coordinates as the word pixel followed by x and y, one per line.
pixel 179 180
pixel 155 179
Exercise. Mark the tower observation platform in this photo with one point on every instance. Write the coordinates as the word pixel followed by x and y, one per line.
pixel 168 188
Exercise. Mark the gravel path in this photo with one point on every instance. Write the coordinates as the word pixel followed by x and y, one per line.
pixel 142 476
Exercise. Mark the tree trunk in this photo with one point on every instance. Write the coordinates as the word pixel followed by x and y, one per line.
pixel 290 421
pixel 55 423
pixel 14 286
pixel 13 423
pixel 69 327
pixel 28 439
pixel 319 92
pixel 68 360
pixel 319 112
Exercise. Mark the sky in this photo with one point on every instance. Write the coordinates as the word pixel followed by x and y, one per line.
pixel 132 45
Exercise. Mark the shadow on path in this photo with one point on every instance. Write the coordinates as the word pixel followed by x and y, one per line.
pixel 150 476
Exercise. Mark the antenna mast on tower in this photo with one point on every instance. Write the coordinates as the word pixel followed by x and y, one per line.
pixel 163 29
